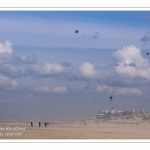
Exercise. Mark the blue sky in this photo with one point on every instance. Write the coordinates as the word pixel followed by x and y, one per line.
pixel 49 27
pixel 48 70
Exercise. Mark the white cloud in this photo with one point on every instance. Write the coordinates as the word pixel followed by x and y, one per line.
pixel 7 83
pixel 47 69
pixel 28 59
pixel 59 89
pixel 14 83
pixel 12 71
pixel 101 88
pixel 87 70
pixel 6 47
pixel 4 81
pixel 84 71
pixel 131 62
pixel 7 55
pixel 126 91
pixel 46 89
pixel 13 58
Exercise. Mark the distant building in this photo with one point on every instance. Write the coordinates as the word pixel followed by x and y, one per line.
pixel 133 112
pixel 101 115
pixel 108 113
pixel 126 113
pixel 120 113
pixel 129 112
pixel 113 112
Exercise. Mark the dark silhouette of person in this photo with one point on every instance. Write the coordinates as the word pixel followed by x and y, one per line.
pixel 31 124
pixel 45 124
pixel 39 124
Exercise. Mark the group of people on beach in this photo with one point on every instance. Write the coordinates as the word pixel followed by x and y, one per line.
pixel 39 124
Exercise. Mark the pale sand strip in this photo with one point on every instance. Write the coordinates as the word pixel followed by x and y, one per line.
pixel 89 131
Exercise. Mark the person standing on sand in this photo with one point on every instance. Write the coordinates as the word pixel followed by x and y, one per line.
pixel 31 124
pixel 45 124
pixel 39 124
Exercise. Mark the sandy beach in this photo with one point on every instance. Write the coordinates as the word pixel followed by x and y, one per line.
pixel 75 129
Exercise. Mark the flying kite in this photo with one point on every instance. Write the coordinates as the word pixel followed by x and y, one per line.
pixel 110 97
pixel 147 53
pixel 76 31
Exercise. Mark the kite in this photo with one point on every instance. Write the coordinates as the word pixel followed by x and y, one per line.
pixel 76 31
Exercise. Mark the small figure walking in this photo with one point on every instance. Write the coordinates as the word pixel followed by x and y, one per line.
pixel 39 124
pixel 31 124
pixel 45 124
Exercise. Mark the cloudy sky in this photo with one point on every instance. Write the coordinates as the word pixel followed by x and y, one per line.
pixel 48 70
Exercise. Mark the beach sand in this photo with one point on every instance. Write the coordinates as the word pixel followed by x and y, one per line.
pixel 75 130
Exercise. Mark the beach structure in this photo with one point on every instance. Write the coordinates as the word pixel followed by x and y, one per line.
pixel 108 113
pixel 126 113
pixel 132 112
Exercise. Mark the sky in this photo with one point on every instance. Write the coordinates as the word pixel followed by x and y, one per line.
pixel 48 70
